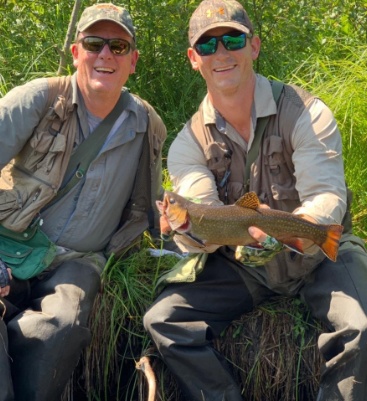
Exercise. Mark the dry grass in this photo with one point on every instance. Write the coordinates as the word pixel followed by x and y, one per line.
pixel 272 350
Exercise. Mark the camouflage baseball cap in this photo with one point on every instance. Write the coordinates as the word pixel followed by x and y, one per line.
pixel 218 13
pixel 106 12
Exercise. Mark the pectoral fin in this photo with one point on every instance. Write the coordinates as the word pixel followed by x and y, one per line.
pixel 193 241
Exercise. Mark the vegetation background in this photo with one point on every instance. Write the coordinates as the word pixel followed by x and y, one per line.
pixel 318 44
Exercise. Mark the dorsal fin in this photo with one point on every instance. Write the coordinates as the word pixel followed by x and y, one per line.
pixel 249 201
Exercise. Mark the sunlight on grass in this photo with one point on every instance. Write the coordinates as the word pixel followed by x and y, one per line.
pixel 342 85
pixel 118 334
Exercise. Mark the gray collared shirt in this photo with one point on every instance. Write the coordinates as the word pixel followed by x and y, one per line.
pixel 86 218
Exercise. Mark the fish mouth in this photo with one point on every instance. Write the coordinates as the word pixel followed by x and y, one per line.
pixel 183 228
pixel 167 233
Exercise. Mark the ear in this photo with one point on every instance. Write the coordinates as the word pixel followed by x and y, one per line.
pixel 134 59
pixel 192 55
pixel 74 51
pixel 255 47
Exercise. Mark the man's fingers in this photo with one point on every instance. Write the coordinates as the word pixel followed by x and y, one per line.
pixel 5 291
pixel 257 234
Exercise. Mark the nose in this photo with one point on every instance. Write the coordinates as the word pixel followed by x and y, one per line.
pixel 105 52
pixel 221 50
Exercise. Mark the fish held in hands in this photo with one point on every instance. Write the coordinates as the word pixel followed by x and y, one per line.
pixel 228 224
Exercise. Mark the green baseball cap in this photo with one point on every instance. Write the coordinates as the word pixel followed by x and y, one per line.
pixel 218 13
pixel 106 12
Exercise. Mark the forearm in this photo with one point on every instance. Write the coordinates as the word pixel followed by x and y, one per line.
pixel 318 164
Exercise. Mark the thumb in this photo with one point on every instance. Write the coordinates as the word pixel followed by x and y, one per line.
pixel 257 234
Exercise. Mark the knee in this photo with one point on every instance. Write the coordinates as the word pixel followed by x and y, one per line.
pixel 70 292
pixel 151 319
pixel 160 320
pixel 347 337
pixel 362 330
pixel 356 328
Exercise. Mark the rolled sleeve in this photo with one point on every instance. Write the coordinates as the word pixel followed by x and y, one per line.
pixel 188 169
pixel 318 163
pixel 191 177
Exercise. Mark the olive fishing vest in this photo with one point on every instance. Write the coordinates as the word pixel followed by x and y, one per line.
pixel 272 174
pixel 33 177
pixel 31 180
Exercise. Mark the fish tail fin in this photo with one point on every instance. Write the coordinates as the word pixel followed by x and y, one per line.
pixel 331 244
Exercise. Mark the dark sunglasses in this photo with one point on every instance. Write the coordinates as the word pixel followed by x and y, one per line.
pixel 95 44
pixel 208 45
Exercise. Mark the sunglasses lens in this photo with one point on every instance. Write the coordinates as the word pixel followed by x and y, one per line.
pixel 92 44
pixel 119 46
pixel 95 44
pixel 232 42
pixel 206 46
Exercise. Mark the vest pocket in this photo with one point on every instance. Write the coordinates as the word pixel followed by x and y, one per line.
pixel 281 176
pixel 10 200
pixel 45 148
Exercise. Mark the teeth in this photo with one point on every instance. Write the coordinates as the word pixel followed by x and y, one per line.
pixel 102 69
pixel 223 69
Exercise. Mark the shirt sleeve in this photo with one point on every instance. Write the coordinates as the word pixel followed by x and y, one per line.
pixel 318 163
pixel 191 177
pixel 188 170
pixel 20 111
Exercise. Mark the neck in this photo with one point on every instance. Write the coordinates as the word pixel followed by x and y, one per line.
pixel 100 106
pixel 235 107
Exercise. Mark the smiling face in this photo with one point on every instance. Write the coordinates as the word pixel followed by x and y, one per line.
pixel 225 71
pixel 103 74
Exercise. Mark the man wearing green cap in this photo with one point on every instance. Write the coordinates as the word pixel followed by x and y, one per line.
pixel 294 163
pixel 77 154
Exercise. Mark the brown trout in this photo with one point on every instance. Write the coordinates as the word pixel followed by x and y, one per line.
pixel 228 225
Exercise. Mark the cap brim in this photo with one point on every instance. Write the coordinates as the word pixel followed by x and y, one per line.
pixel 234 25
pixel 82 28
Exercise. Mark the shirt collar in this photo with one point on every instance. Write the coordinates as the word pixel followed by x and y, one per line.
pixel 134 106
pixel 264 105
pixel 264 101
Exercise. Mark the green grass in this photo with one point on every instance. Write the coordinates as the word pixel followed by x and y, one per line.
pixel 337 73
pixel 119 337
pixel 342 85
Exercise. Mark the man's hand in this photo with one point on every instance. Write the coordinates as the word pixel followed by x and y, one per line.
pixel 5 277
pixel 267 248
pixel 254 256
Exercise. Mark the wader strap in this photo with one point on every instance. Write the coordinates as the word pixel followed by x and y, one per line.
pixel 87 151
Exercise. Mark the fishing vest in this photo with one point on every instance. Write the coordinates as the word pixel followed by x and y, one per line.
pixel 272 174
pixel 31 180
pixel 33 177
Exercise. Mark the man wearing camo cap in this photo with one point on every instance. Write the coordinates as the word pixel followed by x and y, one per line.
pixel 44 320
pixel 298 168
pixel 106 12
